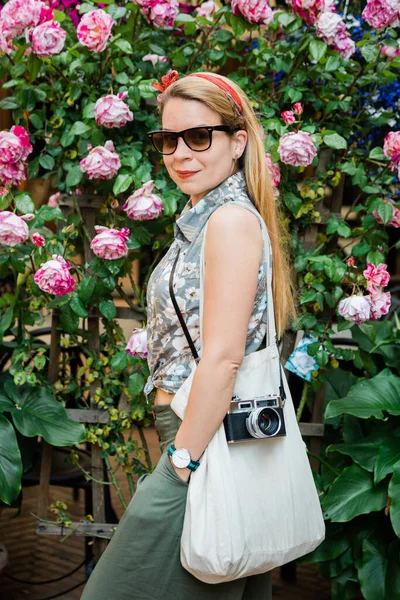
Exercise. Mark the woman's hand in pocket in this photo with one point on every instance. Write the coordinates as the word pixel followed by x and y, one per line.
pixel 183 474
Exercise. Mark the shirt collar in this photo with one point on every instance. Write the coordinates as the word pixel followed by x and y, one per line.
pixel 193 219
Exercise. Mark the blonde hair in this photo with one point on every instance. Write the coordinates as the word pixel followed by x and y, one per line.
pixel 258 180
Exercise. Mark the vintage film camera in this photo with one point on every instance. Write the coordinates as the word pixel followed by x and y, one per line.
pixel 260 417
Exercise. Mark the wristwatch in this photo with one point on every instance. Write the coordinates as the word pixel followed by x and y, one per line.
pixel 181 458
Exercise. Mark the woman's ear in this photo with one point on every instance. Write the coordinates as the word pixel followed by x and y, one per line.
pixel 240 139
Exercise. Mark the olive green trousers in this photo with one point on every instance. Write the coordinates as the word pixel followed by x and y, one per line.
pixel 142 561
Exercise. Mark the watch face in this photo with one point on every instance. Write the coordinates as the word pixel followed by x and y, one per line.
pixel 181 458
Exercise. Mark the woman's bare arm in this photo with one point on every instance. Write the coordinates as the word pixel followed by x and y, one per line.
pixel 233 254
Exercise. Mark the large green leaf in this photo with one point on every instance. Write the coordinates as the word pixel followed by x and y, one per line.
pixel 363 451
pixel 10 462
pixel 394 494
pixel 353 493
pixel 344 586
pixel 369 398
pixel 37 412
pixel 388 456
pixel 379 575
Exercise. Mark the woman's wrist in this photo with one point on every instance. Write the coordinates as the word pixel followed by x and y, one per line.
pixel 183 474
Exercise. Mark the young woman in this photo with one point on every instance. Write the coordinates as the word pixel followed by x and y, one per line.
pixel 213 150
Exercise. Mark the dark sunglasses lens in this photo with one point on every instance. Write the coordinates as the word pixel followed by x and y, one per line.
pixel 164 142
pixel 198 139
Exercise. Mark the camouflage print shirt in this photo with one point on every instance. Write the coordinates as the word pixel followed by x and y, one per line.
pixel 169 355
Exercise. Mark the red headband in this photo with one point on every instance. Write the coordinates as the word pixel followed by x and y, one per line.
pixel 172 76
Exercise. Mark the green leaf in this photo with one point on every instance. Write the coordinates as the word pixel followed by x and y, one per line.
pixel 10 462
pixel 119 361
pixel 293 202
pixel 353 494
pixel 370 52
pixel 37 412
pixel 375 257
pixel 335 141
pixel 24 203
pixel 332 547
pixel 379 575
pixel 86 288
pixel 322 358
pixel 388 456
pixel 122 183
pixel 78 307
pixel 74 177
pixel 385 211
pixel 377 154
pixel 369 398
pixel 136 384
pixel 124 45
pixel 363 452
pixel 317 50
pixel 47 162
pixel 108 309
pixel 332 63
pixel 6 318
pixel 49 213
pixel 394 494
pixel 79 128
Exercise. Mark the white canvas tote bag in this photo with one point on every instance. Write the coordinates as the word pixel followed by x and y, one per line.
pixel 252 505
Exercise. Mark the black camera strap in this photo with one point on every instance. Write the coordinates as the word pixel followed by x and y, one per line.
pixel 188 336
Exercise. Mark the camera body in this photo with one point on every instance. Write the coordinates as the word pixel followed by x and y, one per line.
pixel 260 417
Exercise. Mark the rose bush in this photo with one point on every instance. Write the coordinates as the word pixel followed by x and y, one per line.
pixel 82 100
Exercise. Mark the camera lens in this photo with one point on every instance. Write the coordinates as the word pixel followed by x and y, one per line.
pixel 263 422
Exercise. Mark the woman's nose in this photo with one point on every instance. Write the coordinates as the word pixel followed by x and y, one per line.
pixel 182 150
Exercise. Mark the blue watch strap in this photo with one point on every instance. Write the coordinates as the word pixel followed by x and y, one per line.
pixel 193 465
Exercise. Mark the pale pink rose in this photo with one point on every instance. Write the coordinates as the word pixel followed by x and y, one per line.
pixel 102 162
pixel 297 149
pixel 161 13
pixel 28 217
pixel 111 110
pixel 380 304
pixel 309 9
pixel 143 205
pixel 350 261
pixel 137 344
pixel 6 38
pixel 110 243
pixel 207 9
pixel 288 117
pixel 254 11
pixel 390 51
pixel 344 44
pixel 12 174
pixel 329 25
pixel 381 13
pixel 13 229
pixel 377 277
pixel 38 239
pixel 355 308
pixel 394 221
pixel 154 58
pixel 54 200
pixel 54 276
pixel 14 145
pixel 391 148
pixel 3 192
pixel 47 39
pixel 273 169
pixel 298 108
pixel 94 30
pixel 18 15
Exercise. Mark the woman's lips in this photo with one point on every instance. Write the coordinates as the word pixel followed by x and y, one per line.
pixel 186 174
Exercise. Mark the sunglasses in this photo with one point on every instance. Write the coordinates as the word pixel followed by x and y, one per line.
pixel 198 139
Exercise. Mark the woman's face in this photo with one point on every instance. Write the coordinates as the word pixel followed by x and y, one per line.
pixel 210 167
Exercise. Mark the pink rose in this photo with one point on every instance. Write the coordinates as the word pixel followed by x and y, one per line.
pixel 102 162
pixel 309 9
pixel 391 148
pixel 111 110
pixel 254 11
pixel 380 304
pixel 273 169
pixel 94 29
pixel 14 145
pixel 207 9
pixel 54 276
pixel 154 58
pixel 37 239
pixel 143 205
pixel 381 13
pixel 3 192
pixel 6 38
pixel 288 117
pixel 47 39
pixel 298 108
pixel 350 261
pixel 161 13
pixel 344 44
pixel 13 229
pixel 54 200
pixel 28 217
pixel 355 308
pixel 297 149
pixel 394 221
pixel 109 243
pixel 18 15
pixel 329 25
pixel 390 51
pixel 137 344
pixel 12 174
pixel 377 277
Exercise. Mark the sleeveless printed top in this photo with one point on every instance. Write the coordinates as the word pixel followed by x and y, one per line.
pixel 169 356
